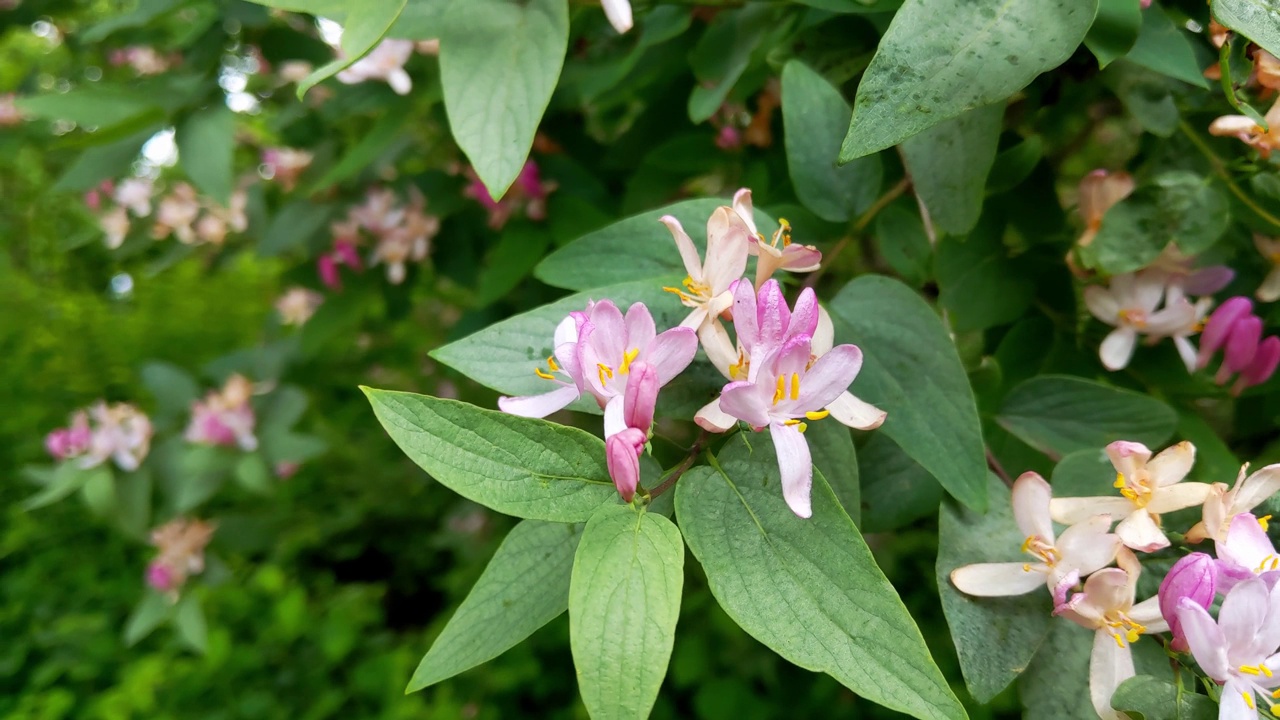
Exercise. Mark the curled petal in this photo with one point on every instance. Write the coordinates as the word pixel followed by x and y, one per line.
pixel 619 14
pixel 997 579
pixel 641 396
pixel 801 258
pixel 1172 464
pixel 1030 497
pixel 1117 348
pixel 711 417
pixel 1140 532
pixel 538 406
pixel 858 414
pixel 688 251
pixel 1088 546
pixel 1205 638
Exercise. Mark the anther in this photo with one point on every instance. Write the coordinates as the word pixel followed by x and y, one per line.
pixel 1119 483
pixel 1263 522
pixel 543 374
pixel 795 386
pixel 627 358
pixel 817 414
pixel 781 390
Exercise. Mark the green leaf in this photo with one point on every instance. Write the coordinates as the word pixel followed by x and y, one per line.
pixel 831 446
pixel 1056 684
pixel 1084 473
pixel 1164 47
pixel 723 54
pixel 367 21
pixel 896 491
pixel 901 239
pixel 420 20
pixel 93 105
pixel 519 466
pixel 1178 206
pixel 101 162
pixel 815 117
pixel 1214 459
pixel 520 248
pixel 292 226
pixel 173 388
pixel 940 58
pixel 99 493
pixel 854 6
pixel 978 282
pixel 499 62
pixel 995 638
pixel 188 620
pixel 1258 20
pixel 252 473
pixel 624 600
pixel 1114 30
pixel 1149 698
pixel 1146 95
pixel 206 144
pixel 1015 164
pixel 949 163
pixel 524 586
pixel 636 248
pixel 143 14
pixel 808 589
pixel 912 371
pixel 67 478
pixel 149 614
pixel 1059 414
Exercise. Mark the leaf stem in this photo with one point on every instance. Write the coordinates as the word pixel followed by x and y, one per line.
pixel 997 468
pixel 1220 169
pixel 680 470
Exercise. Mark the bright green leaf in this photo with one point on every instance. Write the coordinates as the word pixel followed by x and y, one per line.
pixel 367 21
pixel 206 143
pixel 1059 414
pixel 149 614
pixel 941 58
pixel 1258 20
pixel 524 586
pixel 809 589
pixel 519 466
pixel 420 20
pixel 67 478
pixel 994 637
pixel 624 600
pixel 815 117
pixel 949 163
pixel 499 62
pixel 912 371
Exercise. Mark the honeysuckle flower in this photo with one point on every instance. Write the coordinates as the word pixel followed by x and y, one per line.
pixel 225 417
pixel 397 248
pixel 1235 330
pixel 1129 304
pixel 176 213
pixel 641 397
pixel 1266 68
pixel 1223 505
pixel 122 433
pixel 385 62
pixel 1269 290
pixel 594 353
pixel 71 441
pixel 1182 275
pixel 1098 192
pixel 1243 128
pixel 528 193
pixel 1082 549
pixel 297 305
pixel 1194 577
pixel 180 544
pixel 708 286
pixel 1247 552
pixel 115 226
pixel 790 388
pixel 1238 651
pixel 771 257
pixel 135 194
pixel 619 14
pixel 285 165
pixel 143 59
pixel 1148 488
pixel 294 71
pixel 622 456
pixel 762 322
pixel 1107 607
pixel 9 113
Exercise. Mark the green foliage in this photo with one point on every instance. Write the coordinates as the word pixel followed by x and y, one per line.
pixel 1255 19
pixel 1154 699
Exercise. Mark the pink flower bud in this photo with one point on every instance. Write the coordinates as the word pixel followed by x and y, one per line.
pixel 1219 325
pixel 58 443
pixel 160 577
pixel 1264 363
pixel 328 269
pixel 641 396
pixel 729 138
pixel 347 254
pixel 622 454
pixel 1195 578
pixel 1242 344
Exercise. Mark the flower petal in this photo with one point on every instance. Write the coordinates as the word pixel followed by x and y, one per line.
pixel 858 414
pixel 1234 706
pixel 1030 497
pixel 671 352
pixel 1256 488
pixel 1247 544
pixel 996 579
pixel 1241 617
pixel 1147 614
pixel 1072 510
pixel 538 406
pixel 1117 348
pixel 796 466
pixel 1128 458
pixel 745 322
pixel 710 417
pixel 801 258
pixel 1109 665
pixel 613 416
pixel 1140 532
pixel 804 317
pixel 1205 639
pixel 829 377
pixel 718 347
pixel 1176 497
pixel 640 329
pixel 1172 464
pixel 726 250
pixel 773 315
pixel 824 332
pixel 745 209
pixel 1088 546
pixel 1102 303
pixel 745 401
pixel 1171 320
pixel 688 251
pixel 1269 290
pixel 619 14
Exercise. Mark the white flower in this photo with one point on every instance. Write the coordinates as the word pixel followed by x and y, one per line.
pixel 1130 304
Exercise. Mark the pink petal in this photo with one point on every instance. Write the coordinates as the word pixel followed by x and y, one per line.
pixel 1240 619
pixel 773 315
pixel 804 317
pixel 996 579
pixel 795 465
pixel 1208 280
pixel 623 460
pixel 1140 532
pixel 1128 458
pixel 537 406
pixel 1109 665
pixel 671 352
pixel 1264 362
pixel 792 357
pixel 1218 327
pixel 726 250
pixel 1030 497
pixel 1233 704
pixel 1247 544
pixel 641 396
pixel 640 327
pixel 801 258
pixel 746 401
pixel 745 322
pixel 610 336
pixel 849 410
pixel 688 251
pixel 1204 637
pixel 829 377
pixel 1242 343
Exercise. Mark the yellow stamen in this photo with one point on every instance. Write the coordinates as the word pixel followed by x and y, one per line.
pixel 1027 543
pixel 795 386
pixel 817 415
pixel 543 374
pixel 679 292
pixel 738 370
pixel 802 427
pixel 1263 522
pixel 1250 670
pixel 551 363
pixel 1026 567
pixel 604 370
pixel 1248 699
pixel 1132 635
pixel 1119 480
pixel 781 392
pixel 1270 562
pixel 627 358
pixel 1266 670
pixel 1118 639
pixel 1275 694
pixel 790 422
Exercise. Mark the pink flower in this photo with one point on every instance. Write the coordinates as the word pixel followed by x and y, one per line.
pixel 135 194
pixel 160 577
pixel 224 417
pixel 528 193
pixel 9 113
pixel 285 165
pixel 386 63
pixel 180 544
pixel 176 213
pixel 1238 650
pixel 343 253
pixel 1247 552
pixel 122 433
pixel 1223 505
pixel 70 442
pixel 1082 549
pixel 790 256
pixel 1234 329
pixel 594 353
pixel 1249 132
pixel 115 227
pixel 708 288
pixel 622 455
pixel 1194 577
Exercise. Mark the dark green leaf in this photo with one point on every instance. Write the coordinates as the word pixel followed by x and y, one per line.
pixel 978 283
pixel 1114 30
pixel 896 491
pixel 93 105
pixel 1149 698
pixel 723 54
pixel 188 620
pixel 949 163
pixel 293 226
pixel 834 455
pixel 901 239
pixel 1162 46
pixel 102 162
pixel 149 614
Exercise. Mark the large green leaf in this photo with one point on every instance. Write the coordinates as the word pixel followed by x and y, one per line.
pixel 896 491
pixel 206 144
pixel 93 105
pixel 367 21
pixel 853 6
pixel 815 117
pixel 949 163
pixel 520 466
pixel 1258 20
pixel 978 283
pixel 1059 414
pixel 624 600
pixel 1163 47
pixel 831 446
pixel 995 638
pixel 499 62
pixel 1150 698
pixel 1114 30
pixel 636 248
pixel 940 58
pixel 524 586
pixel 1056 684
pixel 808 589
pixel 912 371
pixel 904 244
pixel 420 20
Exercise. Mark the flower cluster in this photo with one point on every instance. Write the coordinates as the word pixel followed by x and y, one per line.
pixel 177 214
pixel 180 547
pixel 119 431
pixel 528 193
pixel 783 368
pixel 284 165
pixel 1106 602
pixel 401 233
pixel 1246 356
pixel 225 417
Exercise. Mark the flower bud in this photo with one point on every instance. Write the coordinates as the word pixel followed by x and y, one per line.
pixel 1242 344
pixel 1219 326
pixel 328 270
pixel 1264 362
pixel 1194 578
pixel 641 396
pixel 622 454
pixel 160 577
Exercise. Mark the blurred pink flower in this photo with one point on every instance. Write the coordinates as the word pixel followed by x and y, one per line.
pixel 386 63
pixel 297 305
pixel 285 165
pixel 121 432
pixel 528 193
pixel 9 112
pixel 792 257
pixel 72 441
pixel 115 226
pixel 225 417
pixel 180 544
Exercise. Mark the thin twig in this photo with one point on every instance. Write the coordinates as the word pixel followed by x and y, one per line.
pixel 1220 169
pixel 856 229
pixel 684 466
pixel 997 468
